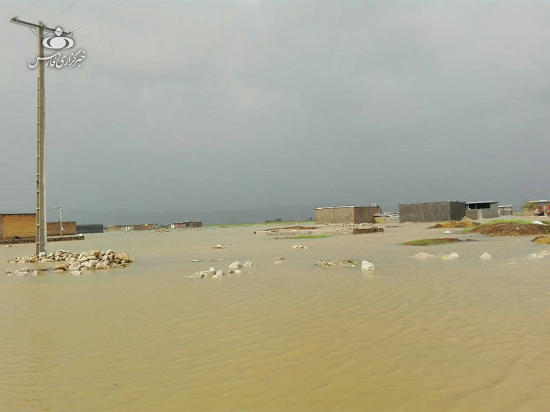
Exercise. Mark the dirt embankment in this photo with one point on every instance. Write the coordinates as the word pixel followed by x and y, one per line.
pixel 462 224
pixel 542 240
pixel 512 229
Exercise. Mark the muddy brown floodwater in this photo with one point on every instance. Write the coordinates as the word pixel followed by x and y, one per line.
pixel 414 335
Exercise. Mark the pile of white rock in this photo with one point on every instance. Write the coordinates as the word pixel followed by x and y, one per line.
pixel 234 269
pixel 76 262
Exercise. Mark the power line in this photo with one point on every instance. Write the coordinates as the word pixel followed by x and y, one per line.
pixel 63 10
pixel 30 7
pixel 101 15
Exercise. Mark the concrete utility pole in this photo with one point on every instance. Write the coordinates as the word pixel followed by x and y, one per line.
pixel 41 227
pixel 60 221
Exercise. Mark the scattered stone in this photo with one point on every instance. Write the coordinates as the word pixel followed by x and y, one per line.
pixel 195 260
pixel 540 254
pixel 235 265
pixel 218 274
pixel 248 263
pixel 76 273
pixel 449 256
pixel 299 247
pixel 365 265
pixel 363 230
pixel 339 263
pixel 423 255
pixel 447 232
pixel 238 272
pixel 278 262
pixel 22 272
pixel 218 246
pixel 486 256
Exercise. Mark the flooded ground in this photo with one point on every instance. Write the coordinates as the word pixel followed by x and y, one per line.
pixel 414 335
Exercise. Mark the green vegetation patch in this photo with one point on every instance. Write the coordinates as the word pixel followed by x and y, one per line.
pixel 514 221
pixel 430 242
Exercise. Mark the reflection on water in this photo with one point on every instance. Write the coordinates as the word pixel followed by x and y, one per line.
pixel 414 335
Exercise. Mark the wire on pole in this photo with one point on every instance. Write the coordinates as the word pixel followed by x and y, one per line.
pixel 101 15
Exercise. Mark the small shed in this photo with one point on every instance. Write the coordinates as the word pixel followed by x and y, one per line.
pixel 505 210
pixel 487 209
pixel 432 211
pixel 346 214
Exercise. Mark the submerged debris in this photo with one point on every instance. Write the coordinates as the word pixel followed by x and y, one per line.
pixel 218 246
pixel 338 263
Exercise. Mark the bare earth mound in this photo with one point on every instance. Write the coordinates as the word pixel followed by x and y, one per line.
pixel 512 229
pixel 466 224
pixel 542 240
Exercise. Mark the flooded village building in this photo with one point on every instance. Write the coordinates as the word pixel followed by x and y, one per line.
pixel 23 226
pixel 17 225
pixel 506 210
pixel 432 211
pixel 128 228
pixel 89 228
pixel 185 225
pixel 61 229
pixel 482 210
pixel 346 214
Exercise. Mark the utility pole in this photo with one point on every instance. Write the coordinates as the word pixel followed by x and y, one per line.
pixel 60 221
pixel 41 227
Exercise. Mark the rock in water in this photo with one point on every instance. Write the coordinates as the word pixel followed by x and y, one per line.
pixel 235 265
pixel 486 256
pixel 219 274
pixel 365 265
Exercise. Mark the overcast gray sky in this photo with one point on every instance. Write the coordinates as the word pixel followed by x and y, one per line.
pixel 214 105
